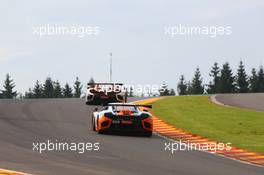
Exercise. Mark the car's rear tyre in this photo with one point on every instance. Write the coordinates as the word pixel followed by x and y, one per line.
pixel 93 124
pixel 147 134
pixel 100 132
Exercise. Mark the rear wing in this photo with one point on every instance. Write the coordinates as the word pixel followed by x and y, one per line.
pixel 146 106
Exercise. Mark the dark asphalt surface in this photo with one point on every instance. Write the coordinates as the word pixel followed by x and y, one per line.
pixel 253 101
pixel 68 120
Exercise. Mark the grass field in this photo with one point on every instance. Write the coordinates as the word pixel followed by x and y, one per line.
pixel 198 115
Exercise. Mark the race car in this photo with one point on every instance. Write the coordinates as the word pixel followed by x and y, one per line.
pixel 103 93
pixel 123 117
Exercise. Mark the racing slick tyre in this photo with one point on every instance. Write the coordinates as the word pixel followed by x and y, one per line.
pixel 100 132
pixel 147 134
pixel 93 125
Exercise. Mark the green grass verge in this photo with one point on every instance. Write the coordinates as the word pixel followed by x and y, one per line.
pixel 197 114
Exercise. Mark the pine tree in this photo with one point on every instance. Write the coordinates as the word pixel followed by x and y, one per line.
pixel 227 80
pixel 189 88
pixel 210 88
pixel 29 94
pixel 164 91
pixel 260 80
pixel 91 81
pixel 8 88
pixel 57 90
pixel 253 81
pixel 38 90
pixel 213 85
pixel 196 86
pixel 67 91
pixel 242 79
pixel 182 86
pixel 131 92
pixel 77 88
pixel 48 89
pixel 172 92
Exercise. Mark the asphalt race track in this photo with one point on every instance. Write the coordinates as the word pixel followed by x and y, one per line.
pixel 28 121
pixel 253 101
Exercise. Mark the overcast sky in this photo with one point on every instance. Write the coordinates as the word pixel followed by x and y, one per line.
pixel 133 30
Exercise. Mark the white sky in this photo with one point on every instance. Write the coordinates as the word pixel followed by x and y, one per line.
pixel 133 30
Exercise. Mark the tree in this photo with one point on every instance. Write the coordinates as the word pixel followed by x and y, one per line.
pixel 91 80
pixel 29 94
pixel 67 91
pixel 227 80
pixel 242 79
pixel 77 88
pixel 38 90
pixel 210 88
pixel 189 87
pixel 8 88
pixel 57 90
pixel 196 86
pixel 164 91
pixel 260 80
pixel 172 92
pixel 48 88
pixel 253 81
pixel 131 92
pixel 213 85
pixel 182 86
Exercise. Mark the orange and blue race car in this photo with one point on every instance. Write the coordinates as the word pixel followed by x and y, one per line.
pixel 123 117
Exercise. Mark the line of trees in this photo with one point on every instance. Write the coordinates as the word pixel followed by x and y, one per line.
pixel 49 89
pixel 53 89
pixel 166 91
pixel 224 81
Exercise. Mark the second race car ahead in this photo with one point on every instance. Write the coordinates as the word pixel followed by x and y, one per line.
pixel 123 117
pixel 103 93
